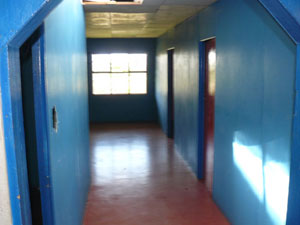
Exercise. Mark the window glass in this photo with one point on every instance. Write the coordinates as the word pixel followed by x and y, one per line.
pixel 101 63
pixel 121 73
pixel 119 83
pixel 119 62
pixel 138 62
pixel 138 83
pixel 101 83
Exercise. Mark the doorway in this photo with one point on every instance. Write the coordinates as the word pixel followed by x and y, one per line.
pixel 171 117
pixel 35 128
pixel 208 103
pixel 30 128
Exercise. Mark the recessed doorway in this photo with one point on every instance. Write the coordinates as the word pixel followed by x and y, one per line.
pixel 171 117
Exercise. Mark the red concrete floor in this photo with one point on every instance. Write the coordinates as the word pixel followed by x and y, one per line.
pixel 138 179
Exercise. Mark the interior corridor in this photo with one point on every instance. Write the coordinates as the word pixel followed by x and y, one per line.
pixel 138 179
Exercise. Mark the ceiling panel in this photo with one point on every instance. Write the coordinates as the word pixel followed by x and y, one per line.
pixel 151 19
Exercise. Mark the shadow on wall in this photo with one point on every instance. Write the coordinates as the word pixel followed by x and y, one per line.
pixel 265 176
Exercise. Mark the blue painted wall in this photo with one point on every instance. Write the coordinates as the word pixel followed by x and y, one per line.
pixel 286 12
pixel 256 67
pixel 67 90
pixel 16 13
pixel 293 7
pixel 18 20
pixel 124 108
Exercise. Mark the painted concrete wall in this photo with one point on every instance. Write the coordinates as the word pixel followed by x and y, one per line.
pixel 5 210
pixel 293 217
pixel 14 15
pixel 186 68
pixel 124 108
pixel 66 84
pixel 293 7
pixel 254 106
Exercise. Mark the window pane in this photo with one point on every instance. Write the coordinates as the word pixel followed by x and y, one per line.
pixel 100 62
pixel 119 62
pixel 138 83
pixel 138 62
pixel 101 84
pixel 120 83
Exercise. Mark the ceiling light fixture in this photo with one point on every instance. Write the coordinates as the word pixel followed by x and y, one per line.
pixel 112 2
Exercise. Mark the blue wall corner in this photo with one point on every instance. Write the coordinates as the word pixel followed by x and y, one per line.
pixel 124 108
pixel 22 16
pixel 293 7
pixel 67 90
pixel 255 87
pixel 293 216
pixel 286 13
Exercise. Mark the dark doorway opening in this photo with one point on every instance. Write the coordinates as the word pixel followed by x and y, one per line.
pixel 27 85
pixel 171 117
pixel 209 111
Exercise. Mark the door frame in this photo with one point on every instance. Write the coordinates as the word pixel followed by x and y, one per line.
pixel 171 99
pixel 13 126
pixel 201 108
pixel 41 123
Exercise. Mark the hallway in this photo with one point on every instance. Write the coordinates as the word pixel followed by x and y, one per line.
pixel 137 178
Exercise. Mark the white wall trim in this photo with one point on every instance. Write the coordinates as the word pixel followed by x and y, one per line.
pixel 5 208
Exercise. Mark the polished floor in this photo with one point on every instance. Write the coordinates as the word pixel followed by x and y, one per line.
pixel 138 179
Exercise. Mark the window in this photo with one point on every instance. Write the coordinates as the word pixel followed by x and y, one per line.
pixel 115 74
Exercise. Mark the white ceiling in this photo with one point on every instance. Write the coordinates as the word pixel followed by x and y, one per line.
pixel 151 19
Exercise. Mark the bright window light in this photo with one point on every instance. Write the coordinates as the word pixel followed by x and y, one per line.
pixel 138 62
pixel 119 74
pixel 138 83
pixel 119 62
pixel 104 66
pixel 119 83
pixel 249 160
pixel 267 177
pixel 101 83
